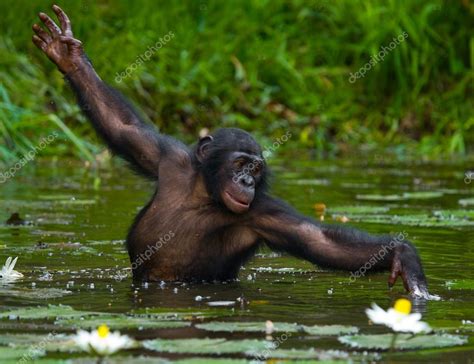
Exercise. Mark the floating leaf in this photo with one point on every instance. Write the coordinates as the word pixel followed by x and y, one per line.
pixel 248 326
pixel 424 195
pixel 34 294
pixel 450 214
pixel 414 220
pixel 404 341
pixel 207 346
pixel 165 313
pixel 49 342
pixel 282 270
pixel 461 284
pixel 44 312
pixel 11 353
pixel 359 210
pixel 124 360
pixel 328 330
pixel 122 322
pixel 211 361
pixel 77 202
pixel 327 355
pixel 221 303
pixel 278 327
pixel 308 182
pixel 466 201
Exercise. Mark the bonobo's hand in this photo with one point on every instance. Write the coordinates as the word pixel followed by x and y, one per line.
pixel 406 264
pixel 58 44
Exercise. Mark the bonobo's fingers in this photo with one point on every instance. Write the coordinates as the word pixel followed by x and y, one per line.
pixel 394 273
pixel 50 24
pixel 407 265
pixel 41 33
pixel 71 41
pixel 64 20
pixel 75 45
pixel 58 44
pixel 40 43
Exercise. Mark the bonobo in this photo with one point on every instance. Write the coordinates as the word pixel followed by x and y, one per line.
pixel 211 199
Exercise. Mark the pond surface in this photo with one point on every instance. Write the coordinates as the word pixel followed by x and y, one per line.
pixel 73 254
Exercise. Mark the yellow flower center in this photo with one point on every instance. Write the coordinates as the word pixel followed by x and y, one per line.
pixel 402 305
pixel 103 331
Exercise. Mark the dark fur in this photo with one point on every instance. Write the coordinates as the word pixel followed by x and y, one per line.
pixel 211 242
pixel 216 216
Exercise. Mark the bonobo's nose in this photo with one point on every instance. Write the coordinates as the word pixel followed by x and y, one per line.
pixel 248 181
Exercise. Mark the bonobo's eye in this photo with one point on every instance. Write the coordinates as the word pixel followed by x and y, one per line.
pixel 239 163
pixel 257 168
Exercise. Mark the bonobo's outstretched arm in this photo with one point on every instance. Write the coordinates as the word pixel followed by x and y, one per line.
pixel 114 119
pixel 341 247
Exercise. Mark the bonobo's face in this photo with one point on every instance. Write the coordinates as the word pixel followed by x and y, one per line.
pixel 243 172
pixel 233 168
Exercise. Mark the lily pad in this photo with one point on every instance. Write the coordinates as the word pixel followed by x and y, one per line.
pixel 125 360
pixel 37 293
pixel 461 284
pixel 221 303
pixel 165 313
pixel 414 220
pixel 359 210
pixel 403 342
pixel 48 342
pixel 278 327
pixel 282 270
pixel 10 353
pixel 322 330
pixel 308 182
pixel 77 202
pixel 248 327
pixel 44 312
pixel 423 195
pixel 327 356
pixel 466 201
pixel 211 361
pixel 207 346
pixel 458 214
pixel 122 322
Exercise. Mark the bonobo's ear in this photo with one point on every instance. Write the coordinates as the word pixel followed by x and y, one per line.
pixel 201 152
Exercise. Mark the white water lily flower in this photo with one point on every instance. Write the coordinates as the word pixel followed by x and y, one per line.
pixel 7 273
pixel 398 318
pixel 102 341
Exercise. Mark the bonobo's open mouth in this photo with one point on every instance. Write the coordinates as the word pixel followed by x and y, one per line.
pixel 236 204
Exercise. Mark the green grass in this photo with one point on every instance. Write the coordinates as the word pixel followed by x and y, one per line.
pixel 265 66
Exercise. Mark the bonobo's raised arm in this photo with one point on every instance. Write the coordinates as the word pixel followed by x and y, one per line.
pixel 342 247
pixel 114 119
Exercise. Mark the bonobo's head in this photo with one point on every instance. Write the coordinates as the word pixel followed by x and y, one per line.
pixel 233 168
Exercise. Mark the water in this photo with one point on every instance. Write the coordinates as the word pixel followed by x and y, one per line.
pixel 77 245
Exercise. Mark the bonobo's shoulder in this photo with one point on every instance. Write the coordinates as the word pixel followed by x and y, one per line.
pixel 176 152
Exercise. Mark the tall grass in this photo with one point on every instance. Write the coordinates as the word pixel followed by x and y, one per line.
pixel 265 66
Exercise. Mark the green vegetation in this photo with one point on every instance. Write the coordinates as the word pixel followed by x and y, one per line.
pixel 265 66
